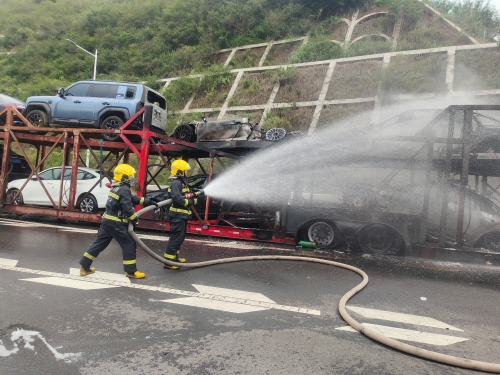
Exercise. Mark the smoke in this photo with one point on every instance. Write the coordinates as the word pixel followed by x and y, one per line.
pixel 355 164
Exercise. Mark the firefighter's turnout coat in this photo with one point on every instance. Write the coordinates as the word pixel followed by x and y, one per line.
pixel 179 213
pixel 120 205
pixel 119 211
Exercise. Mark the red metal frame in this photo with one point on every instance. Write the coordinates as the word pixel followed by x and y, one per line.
pixel 71 140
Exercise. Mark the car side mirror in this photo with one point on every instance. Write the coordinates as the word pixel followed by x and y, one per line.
pixel 60 92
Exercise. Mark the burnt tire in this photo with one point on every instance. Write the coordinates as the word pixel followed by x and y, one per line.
pixel 185 133
pixel 88 204
pixel 490 241
pixel 380 239
pixel 12 193
pixel 111 123
pixel 323 233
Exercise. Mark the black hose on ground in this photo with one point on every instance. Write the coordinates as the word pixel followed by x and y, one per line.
pixel 410 349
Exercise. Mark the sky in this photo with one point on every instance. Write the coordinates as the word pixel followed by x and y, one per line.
pixel 496 3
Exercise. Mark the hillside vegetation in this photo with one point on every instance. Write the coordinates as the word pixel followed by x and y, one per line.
pixel 146 40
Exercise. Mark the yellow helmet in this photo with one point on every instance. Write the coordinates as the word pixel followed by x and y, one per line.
pixel 179 166
pixel 124 173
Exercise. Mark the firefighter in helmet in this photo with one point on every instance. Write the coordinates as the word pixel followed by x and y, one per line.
pixel 119 212
pixel 180 213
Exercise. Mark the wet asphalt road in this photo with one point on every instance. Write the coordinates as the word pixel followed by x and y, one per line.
pixel 126 330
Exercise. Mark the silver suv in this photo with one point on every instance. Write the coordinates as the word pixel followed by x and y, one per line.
pixel 97 104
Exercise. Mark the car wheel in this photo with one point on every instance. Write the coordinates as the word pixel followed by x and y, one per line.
pixel 379 239
pixel 12 193
pixel 111 123
pixel 490 241
pixel 88 204
pixel 38 118
pixel 185 133
pixel 324 234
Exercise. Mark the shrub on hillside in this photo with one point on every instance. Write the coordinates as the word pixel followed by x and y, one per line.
pixel 317 49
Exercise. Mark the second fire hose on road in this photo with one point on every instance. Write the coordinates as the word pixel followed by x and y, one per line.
pixel 406 348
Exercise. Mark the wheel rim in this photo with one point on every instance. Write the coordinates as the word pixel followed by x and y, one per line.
pixel 378 240
pixel 184 133
pixel 35 119
pixel 18 199
pixel 87 205
pixel 321 233
pixel 275 134
pixel 112 124
pixel 492 241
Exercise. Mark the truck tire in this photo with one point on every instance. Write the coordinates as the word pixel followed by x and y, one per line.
pixel 111 123
pixel 379 239
pixel 323 233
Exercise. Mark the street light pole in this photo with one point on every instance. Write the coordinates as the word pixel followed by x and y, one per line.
pixel 95 72
pixel 91 54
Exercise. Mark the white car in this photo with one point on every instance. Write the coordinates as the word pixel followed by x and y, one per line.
pixel 33 192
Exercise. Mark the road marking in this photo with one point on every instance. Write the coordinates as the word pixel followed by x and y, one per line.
pixel 58 281
pixel 8 262
pixel 224 303
pixel 207 296
pixel 409 335
pixel 28 337
pixel 215 305
pixel 101 275
pixel 401 318
pixel 232 293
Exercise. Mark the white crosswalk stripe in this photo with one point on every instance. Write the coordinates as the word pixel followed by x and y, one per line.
pixel 410 335
pixel 403 333
pixel 401 318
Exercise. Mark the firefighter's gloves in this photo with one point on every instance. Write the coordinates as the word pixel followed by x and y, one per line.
pixel 197 193
pixel 150 202
pixel 135 223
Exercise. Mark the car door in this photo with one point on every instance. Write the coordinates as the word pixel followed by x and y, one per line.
pixel 115 97
pixel 101 191
pixel 33 192
pixel 96 100
pixel 67 109
pixel 82 185
pixel 84 182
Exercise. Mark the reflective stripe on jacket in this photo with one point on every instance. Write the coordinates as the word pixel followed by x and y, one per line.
pixel 120 204
pixel 180 205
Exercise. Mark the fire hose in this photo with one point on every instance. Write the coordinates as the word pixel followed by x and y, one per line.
pixel 406 348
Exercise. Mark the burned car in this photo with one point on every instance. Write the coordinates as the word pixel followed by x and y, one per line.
pixel 228 130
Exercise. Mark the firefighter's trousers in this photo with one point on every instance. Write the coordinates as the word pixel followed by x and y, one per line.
pixel 106 233
pixel 177 235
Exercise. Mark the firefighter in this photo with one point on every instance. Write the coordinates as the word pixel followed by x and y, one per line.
pixel 119 212
pixel 182 200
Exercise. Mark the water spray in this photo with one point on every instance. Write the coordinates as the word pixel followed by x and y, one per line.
pixel 410 349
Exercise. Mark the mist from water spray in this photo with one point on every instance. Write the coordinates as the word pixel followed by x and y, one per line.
pixel 350 164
